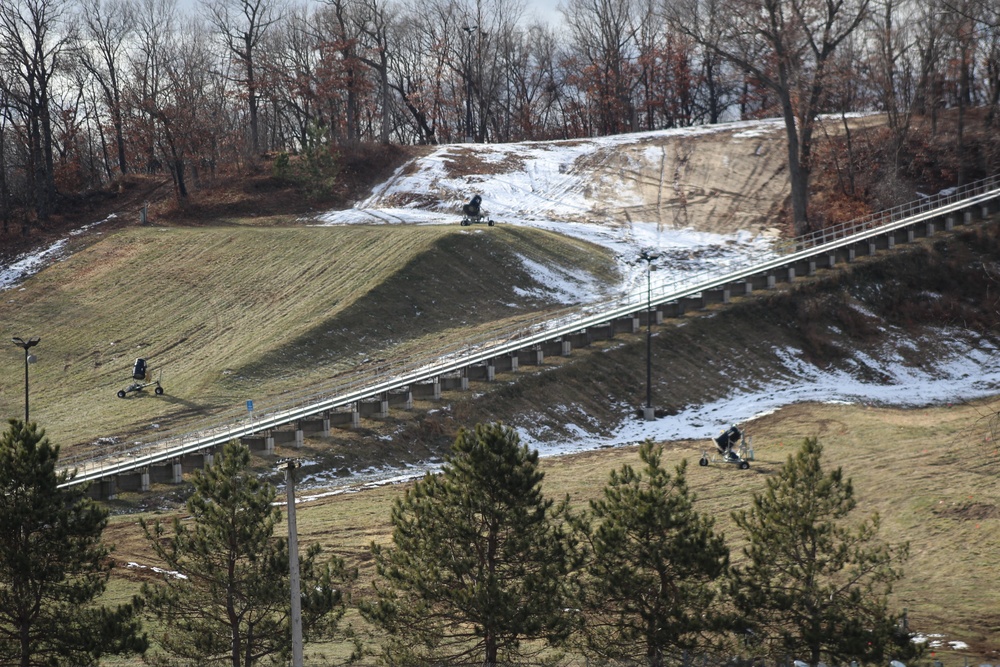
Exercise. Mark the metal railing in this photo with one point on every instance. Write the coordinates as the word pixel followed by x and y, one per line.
pixel 365 382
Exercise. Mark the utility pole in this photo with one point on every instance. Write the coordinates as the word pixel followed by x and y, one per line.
pixel 293 567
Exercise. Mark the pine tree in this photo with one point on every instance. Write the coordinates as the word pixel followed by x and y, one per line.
pixel 813 586
pixel 477 562
pixel 227 601
pixel 53 565
pixel 650 581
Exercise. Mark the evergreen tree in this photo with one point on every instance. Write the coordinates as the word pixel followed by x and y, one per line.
pixel 648 590
pixel 52 563
pixel 813 586
pixel 477 562
pixel 228 601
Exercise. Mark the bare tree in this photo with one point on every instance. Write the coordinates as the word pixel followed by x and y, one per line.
pixel 5 121
pixel 417 72
pixel 34 40
pixel 155 30
pixel 243 25
pixel 107 26
pixel 930 41
pixel 375 21
pixel 603 33
pixel 340 39
pixel 891 69
pixel 787 46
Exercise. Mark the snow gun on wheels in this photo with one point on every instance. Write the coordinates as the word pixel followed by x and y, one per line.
pixel 141 374
pixel 474 213
pixel 731 446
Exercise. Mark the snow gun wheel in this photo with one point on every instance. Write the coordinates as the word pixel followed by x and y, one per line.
pixel 703 461
pixel 491 223
pixel 158 391
pixel 121 393
pixel 465 223
pixel 744 465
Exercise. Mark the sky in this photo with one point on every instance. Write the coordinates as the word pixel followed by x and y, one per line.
pixel 544 10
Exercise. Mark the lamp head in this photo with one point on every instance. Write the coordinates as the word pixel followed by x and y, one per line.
pixel 31 342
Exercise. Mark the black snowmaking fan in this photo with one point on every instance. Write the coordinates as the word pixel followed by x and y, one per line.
pixel 141 376
pixel 732 446
pixel 473 212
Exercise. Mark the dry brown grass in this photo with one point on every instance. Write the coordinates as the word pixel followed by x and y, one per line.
pixel 928 473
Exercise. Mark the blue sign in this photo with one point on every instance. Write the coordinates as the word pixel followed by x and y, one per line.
pixel 249 406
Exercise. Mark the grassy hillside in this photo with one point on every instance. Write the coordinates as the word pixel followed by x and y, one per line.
pixel 231 313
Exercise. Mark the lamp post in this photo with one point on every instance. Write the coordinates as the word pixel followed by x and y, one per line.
pixel 293 567
pixel 469 135
pixel 28 359
pixel 649 257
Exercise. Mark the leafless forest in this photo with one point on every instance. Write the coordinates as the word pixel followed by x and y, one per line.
pixel 92 90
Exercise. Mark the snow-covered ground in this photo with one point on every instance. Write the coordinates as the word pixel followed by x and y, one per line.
pixel 545 188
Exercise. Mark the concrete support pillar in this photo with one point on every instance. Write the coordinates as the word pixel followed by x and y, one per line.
pixel 930 228
pixel 831 260
pixel 871 247
pixel 491 371
pixel 910 234
pixel 636 326
pixel 409 399
pixel 437 388
pixel 811 271
pixel 791 274
pixel 109 488
pixel 356 411
pixel 648 413
pixel 207 458
pixel 326 425
pixel 891 240
pixel 984 211
pixel 144 480
pixel 850 254
pixel 539 355
pixel 177 472
pixel 967 217
pixel 949 223
pixel 300 437
pixel 513 362
pixel 725 295
pixel 771 281
pixel 269 443
pixel 566 346
pixel 748 287
pixel 464 378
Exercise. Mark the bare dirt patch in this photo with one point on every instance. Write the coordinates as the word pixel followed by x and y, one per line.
pixel 970 512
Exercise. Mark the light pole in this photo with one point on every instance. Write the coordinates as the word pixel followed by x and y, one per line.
pixel 28 359
pixel 293 567
pixel 469 136
pixel 649 257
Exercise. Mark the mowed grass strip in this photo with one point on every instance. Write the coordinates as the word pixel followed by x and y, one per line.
pixel 930 473
pixel 235 313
